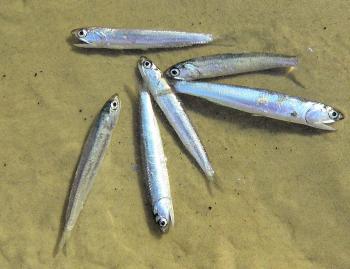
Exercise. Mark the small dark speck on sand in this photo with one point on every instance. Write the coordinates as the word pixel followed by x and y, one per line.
pixel 231 157
pixel 209 207
pixel 115 189
pixel 226 148
pixel 80 110
pixel 84 118
pixel 119 142
pixel 192 23
pixel 276 147
pixel 238 193
pixel 200 23
pixel 4 76
pixel 41 71
pixel 38 103
pixel 5 164
pixel 324 28
pixel 35 74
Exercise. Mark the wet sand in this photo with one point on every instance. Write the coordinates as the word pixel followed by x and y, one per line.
pixel 283 196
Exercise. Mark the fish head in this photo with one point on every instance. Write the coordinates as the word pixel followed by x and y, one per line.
pixel 88 37
pixel 163 212
pixel 111 110
pixel 148 70
pixel 320 116
pixel 182 71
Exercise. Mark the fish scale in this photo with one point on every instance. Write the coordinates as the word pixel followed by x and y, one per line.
pixel 155 164
pixel 263 102
pixel 90 160
pixel 228 64
pixel 175 114
pixel 111 38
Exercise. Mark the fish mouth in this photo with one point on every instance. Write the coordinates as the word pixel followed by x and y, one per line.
pixel 323 126
pixel 143 59
pixel 322 117
pixel 341 116
pixel 326 124
pixel 80 41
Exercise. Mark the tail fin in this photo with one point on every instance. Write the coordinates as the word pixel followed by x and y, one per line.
pixel 227 40
pixel 64 238
pixel 209 173
pixel 290 75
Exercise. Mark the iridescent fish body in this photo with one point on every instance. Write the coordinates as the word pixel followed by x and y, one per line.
pixel 228 64
pixel 174 112
pixel 264 103
pixel 109 38
pixel 90 160
pixel 155 164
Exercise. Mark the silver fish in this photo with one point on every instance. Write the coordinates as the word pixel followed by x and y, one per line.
pixel 90 159
pixel 101 37
pixel 174 112
pixel 228 64
pixel 264 103
pixel 155 164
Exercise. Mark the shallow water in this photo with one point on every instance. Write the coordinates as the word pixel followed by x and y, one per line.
pixel 283 195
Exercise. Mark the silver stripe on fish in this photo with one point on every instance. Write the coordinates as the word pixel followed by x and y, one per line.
pixel 174 112
pixel 155 164
pixel 264 103
pixel 110 38
pixel 90 160
pixel 228 64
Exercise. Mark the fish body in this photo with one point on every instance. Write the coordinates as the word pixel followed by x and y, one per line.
pixel 155 164
pixel 90 160
pixel 110 38
pixel 228 64
pixel 264 103
pixel 174 112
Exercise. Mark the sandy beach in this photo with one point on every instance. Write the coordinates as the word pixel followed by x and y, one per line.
pixel 282 196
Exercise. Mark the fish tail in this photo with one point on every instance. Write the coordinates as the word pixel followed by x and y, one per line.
pixel 226 40
pixel 291 69
pixel 294 61
pixel 64 238
pixel 290 75
pixel 210 174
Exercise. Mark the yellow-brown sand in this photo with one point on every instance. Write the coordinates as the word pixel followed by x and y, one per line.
pixel 285 196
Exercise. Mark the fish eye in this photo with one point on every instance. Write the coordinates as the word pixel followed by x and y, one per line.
pixel 334 114
pixel 114 105
pixel 163 222
pixel 175 72
pixel 147 64
pixel 82 33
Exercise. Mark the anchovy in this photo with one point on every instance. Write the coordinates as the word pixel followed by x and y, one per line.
pixel 228 64
pixel 155 164
pixel 174 112
pixel 264 103
pixel 101 37
pixel 90 159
